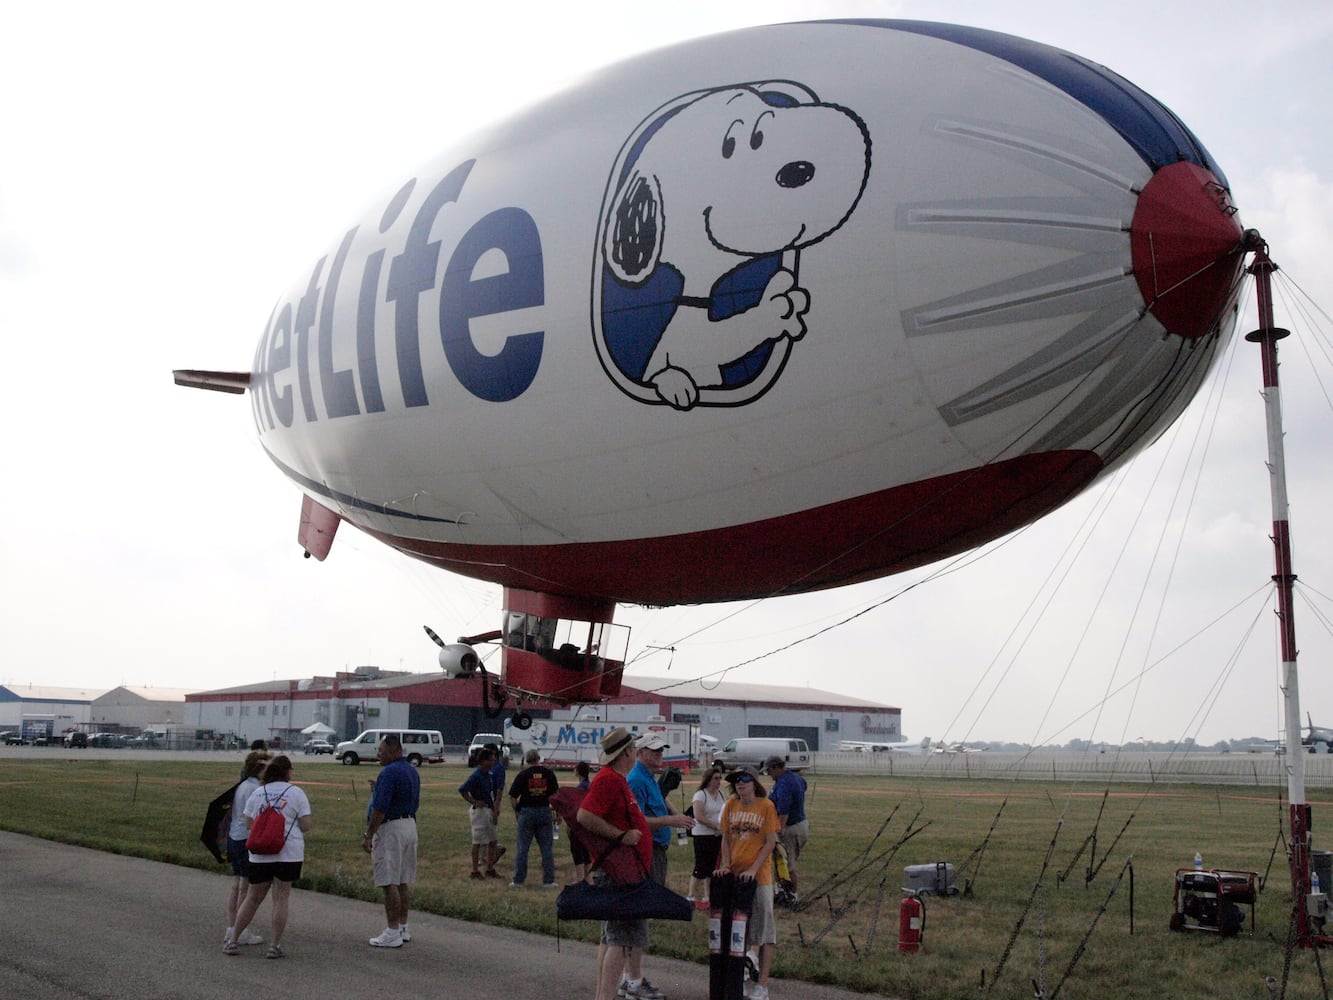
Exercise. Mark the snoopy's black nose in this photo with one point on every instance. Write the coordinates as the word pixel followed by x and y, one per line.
pixel 796 173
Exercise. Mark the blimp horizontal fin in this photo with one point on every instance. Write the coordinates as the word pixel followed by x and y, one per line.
pixel 193 378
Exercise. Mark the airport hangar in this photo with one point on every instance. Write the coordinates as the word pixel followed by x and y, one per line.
pixel 123 709
pixel 368 698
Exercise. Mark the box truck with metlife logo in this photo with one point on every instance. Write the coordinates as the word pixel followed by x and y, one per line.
pixel 563 743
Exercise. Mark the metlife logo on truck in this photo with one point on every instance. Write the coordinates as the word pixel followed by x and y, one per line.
pixel 563 743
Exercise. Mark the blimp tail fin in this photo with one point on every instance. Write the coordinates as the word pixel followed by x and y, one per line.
pixel 217 381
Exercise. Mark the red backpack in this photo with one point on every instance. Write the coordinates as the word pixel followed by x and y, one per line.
pixel 269 831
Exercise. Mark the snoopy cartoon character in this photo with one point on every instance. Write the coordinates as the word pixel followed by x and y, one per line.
pixel 697 293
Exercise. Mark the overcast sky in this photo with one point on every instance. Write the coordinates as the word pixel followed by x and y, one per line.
pixel 170 169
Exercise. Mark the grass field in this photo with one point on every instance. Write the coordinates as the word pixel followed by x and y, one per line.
pixel 1071 935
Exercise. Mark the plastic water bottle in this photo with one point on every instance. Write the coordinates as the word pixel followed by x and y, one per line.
pixel 1314 881
pixel 1198 861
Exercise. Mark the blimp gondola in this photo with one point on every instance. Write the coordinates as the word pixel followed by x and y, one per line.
pixel 758 314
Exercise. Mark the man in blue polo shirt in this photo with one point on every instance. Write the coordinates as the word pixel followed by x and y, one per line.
pixel 391 838
pixel 788 798
pixel 661 816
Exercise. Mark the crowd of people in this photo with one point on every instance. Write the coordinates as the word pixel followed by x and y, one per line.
pixel 734 823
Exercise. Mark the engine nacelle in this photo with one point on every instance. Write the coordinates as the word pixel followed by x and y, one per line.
pixel 458 659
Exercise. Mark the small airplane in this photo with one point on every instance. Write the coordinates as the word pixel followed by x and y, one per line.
pixel 955 748
pixel 856 746
pixel 1317 739
pixel 893 290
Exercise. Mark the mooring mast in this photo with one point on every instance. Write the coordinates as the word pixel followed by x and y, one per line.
pixel 1284 577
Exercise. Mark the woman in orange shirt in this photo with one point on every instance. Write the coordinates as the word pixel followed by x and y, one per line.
pixel 749 835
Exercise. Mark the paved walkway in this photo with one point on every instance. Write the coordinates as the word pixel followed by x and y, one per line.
pixel 80 923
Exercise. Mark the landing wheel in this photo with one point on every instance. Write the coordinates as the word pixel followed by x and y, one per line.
pixel 522 720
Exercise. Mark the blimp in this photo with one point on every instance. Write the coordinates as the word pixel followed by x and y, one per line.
pixel 762 313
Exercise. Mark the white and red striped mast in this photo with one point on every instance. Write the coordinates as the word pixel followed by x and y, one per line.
pixel 1267 336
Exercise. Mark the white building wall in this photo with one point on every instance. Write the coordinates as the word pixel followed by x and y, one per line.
pixel 281 715
pixel 731 721
pixel 68 715
pixel 139 717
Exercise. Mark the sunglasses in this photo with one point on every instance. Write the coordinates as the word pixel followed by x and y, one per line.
pixel 743 779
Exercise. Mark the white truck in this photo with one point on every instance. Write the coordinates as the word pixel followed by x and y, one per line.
pixel 563 743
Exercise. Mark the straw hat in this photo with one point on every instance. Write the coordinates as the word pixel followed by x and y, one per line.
pixel 614 743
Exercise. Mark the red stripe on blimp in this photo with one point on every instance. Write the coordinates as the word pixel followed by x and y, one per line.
pixel 845 542
pixel 1186 249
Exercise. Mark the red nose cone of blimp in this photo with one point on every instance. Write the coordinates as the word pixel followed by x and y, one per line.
pixel 1186 246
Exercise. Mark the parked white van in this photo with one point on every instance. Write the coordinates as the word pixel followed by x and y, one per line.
pixel 420 746
pixel 754 750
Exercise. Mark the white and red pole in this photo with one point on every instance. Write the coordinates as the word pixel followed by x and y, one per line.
pixel 1284 577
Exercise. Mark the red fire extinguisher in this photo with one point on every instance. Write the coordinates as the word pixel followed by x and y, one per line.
pixel 911 924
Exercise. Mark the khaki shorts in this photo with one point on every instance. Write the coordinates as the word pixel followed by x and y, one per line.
pixel 393 852
pixel 622 933
pixel 793 838
pixel 762 928
pixel 483 825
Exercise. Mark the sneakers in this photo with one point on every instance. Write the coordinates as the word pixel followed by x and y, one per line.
pixel 492 873
pixel 516 885
pixel 759 992
pixel 752 966
pixel 390 937
pixel 477 874
pixel 249 937
pixel 275 951
pixel 230 948
pixel 551 885
pixel 644 991
pixel 406 933
pixel 703 905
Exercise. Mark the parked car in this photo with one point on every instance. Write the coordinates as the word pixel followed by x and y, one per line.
pixel 76 741
pixel 318 746
pixel 482 740
pixel 113 740
pixel 420 746
pixel 752 751
pixel 13 739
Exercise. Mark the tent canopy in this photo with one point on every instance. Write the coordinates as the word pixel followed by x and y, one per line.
pixel 317 729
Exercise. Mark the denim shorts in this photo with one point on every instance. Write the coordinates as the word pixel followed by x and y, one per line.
pixel 239 856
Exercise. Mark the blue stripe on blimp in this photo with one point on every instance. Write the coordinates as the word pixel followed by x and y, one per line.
pixel 1150 128
pixel 347 500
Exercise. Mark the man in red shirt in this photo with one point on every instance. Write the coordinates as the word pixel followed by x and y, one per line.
pixel 610 810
